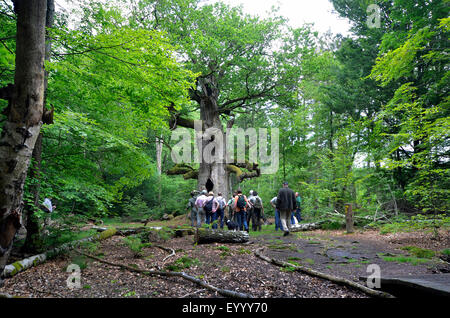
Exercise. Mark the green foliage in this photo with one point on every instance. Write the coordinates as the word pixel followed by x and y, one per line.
pixel 182 263
pixel 417 223
pixel 110 84
pixel 135 244
pixel 419 252
pixel 406 259
pixel 363 119
pixel 80 260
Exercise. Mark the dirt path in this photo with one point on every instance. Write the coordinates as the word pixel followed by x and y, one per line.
pixel 349 256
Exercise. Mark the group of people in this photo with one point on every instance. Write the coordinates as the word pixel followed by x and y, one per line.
pixel 243 211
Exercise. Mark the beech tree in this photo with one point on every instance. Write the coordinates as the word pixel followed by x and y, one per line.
pixel 244 63
pixel 24 117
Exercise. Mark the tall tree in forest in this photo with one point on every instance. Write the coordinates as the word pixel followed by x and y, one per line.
pixel 30 220
pixel 24 117
pixel 244 62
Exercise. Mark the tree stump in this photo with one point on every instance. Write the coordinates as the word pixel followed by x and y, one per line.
pixel 205 236
pixel 349 223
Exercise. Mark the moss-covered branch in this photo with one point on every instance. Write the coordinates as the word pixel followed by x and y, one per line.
pixel 20 266
pixel 178 169
pixel 253 170
pixel 335 279
pixel 183 169
pixel 223 292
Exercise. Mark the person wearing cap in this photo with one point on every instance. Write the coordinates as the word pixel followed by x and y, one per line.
pixel 286 204
pixel 199 204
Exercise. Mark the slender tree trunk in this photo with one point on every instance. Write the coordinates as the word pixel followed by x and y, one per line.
pixel 159 146
pixel 33 241
pixel 23 124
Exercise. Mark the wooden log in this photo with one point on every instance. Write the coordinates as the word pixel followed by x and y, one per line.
pixel 312 272
pixel 306 226
pixel 206 236
pixel 22 265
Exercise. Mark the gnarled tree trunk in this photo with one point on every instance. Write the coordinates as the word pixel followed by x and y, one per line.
pixel 212 173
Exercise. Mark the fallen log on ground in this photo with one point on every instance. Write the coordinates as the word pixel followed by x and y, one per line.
pixel 22 265
pixel 335 279
pixel 306 226
pixel 223 292
pixel 205 236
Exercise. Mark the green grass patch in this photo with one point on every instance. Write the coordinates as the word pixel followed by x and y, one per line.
pixel 419 222
pixel 243 251
pixel 405 259
pixel 225 269
pixel 419 252
pixel 445 251
pixel 80 260
pixel 265 230
pixel 182 263
pixel 223 248
pixel 288 269
pixel 299 261
pixel 135 244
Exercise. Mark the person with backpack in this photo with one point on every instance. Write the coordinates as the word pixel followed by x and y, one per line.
pixel 231 207
pixel 210 208
pixel 199 203
pixel 220 213
pixel 286 204
pixel 257 211
pixel 241 203
pixel 194 216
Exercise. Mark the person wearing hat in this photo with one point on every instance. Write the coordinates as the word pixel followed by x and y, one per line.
pixel 286 204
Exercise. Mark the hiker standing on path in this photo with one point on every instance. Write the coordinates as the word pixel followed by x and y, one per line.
pixel 249 211
pixel 241 203
pixel 195 216
pixel 47 207
pixel 220 213
pixel 257 211
pixel 199 203
pixel 210 207
pixel 286 204
pixel 298 214
pixel 231 207
pixel 273 203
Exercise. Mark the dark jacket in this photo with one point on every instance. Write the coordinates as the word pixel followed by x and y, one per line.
pixel 286 200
